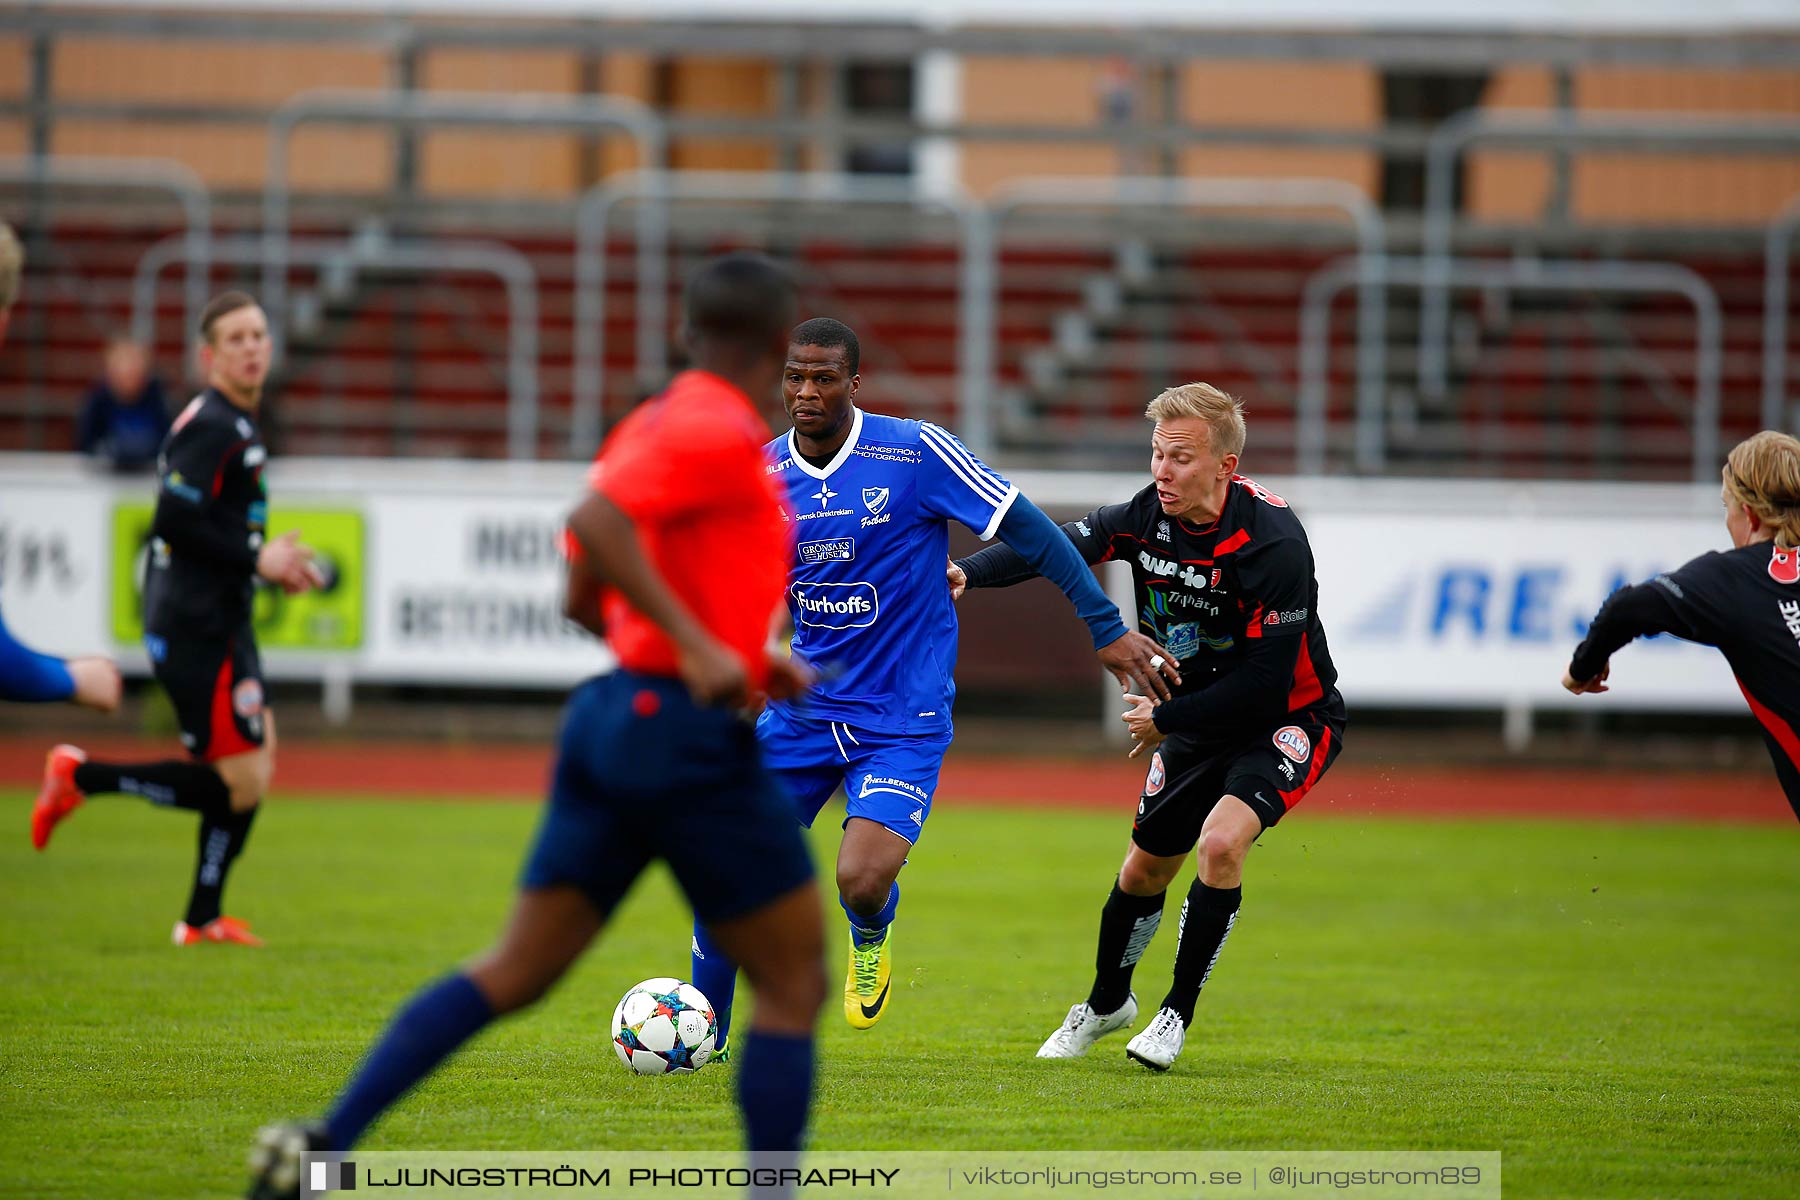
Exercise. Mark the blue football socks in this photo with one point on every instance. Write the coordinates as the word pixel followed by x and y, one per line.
pixel 424 1033
pixel 716 977
pixel 774 1089
pixel 869 930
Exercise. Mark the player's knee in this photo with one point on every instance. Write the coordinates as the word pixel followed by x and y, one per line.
pixel 1145 876
pixel 864 890
pixel 1219 849
pixel 247 778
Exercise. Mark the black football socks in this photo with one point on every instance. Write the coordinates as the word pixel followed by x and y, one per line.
pixel 1127 924
pixel 1207 916
pixel 173 784
pixel 222 837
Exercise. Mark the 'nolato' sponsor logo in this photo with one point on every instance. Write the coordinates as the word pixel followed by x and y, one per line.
pixel 836 605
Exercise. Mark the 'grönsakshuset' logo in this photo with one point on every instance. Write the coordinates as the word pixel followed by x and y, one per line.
pixel 827 550
pixel 836 605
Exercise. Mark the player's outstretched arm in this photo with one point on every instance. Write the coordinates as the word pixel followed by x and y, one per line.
pixel 609 540
pixel 1634 611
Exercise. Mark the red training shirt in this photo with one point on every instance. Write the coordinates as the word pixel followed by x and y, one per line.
pixel 688 468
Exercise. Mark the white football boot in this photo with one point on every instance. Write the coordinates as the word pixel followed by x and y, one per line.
pixel 1160 1044
pixel 1083 1027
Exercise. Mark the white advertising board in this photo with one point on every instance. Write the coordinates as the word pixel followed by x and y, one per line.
pixel 470 587
pixel 1459 593
pixel 1474 593
pixel 54 565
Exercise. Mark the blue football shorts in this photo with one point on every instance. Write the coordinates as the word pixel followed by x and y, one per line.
pixel 642 773
pixel 889 779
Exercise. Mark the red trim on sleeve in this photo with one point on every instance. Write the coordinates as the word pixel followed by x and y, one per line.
pixel 1307 688
pixel 1780 730
pixel 1254 628
pixel 1321 752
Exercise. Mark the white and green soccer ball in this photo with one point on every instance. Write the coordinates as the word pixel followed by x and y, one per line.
pixel 664 1027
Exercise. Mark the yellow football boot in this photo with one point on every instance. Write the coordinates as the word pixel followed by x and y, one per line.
pixel 866 985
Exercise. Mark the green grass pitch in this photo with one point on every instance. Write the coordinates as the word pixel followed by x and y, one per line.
pixel 1614 1007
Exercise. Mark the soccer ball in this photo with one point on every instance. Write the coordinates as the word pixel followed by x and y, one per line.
pixel 664 1027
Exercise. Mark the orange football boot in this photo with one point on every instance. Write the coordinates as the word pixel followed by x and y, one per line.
pixel 219 929
pixel 59 796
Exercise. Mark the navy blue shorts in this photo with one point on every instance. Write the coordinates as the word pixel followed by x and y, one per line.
pixel 642 773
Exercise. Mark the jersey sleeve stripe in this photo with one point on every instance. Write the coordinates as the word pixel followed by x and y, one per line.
pixel 950 445
pixel 981 481
pixel 993 526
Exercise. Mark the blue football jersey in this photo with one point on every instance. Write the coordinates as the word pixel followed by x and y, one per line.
pixel 872 612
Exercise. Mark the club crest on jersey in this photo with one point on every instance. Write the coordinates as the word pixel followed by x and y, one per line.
pixel 875 499
pixel 1153 782
pixel 1784 565
pixel 1292 741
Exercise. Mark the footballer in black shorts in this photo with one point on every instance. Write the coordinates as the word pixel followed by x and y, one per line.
pixel 207 549
pixel 1222 578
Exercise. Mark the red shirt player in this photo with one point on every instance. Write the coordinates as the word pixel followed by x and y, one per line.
pixel 682 546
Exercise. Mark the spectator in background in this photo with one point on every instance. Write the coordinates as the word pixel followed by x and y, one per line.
pixel 123 419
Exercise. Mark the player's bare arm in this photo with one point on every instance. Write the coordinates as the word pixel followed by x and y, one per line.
pixel 609 539
pixel 581 596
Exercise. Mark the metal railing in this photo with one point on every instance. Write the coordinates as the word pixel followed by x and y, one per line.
pixel 1523 275
pixel 1639 132
pixel 1157 192
pixel 152 174
pixel 503 262
pixel 659 189
pixel 1777 247
pixel 432 109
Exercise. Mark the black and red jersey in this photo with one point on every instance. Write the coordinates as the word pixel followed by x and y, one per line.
pixel 1234 601
pixel 1746 602
pixel 211 515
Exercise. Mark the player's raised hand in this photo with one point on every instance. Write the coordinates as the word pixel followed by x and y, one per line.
pixel 713 674
pixel 1588 687
pixel 1140 719
pixel 1134 658
pixel 957 579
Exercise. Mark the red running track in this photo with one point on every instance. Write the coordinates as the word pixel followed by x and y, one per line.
pixel 515 771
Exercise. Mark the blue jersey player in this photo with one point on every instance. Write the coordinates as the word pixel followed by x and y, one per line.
pixel 872 497
pixel 25 674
